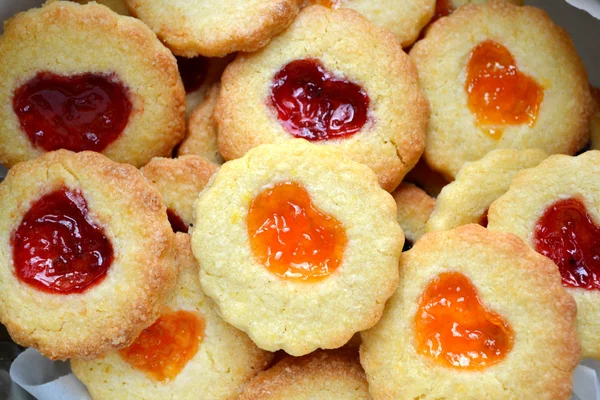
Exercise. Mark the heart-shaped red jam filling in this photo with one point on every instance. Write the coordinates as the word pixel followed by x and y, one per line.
pixel 176 222
pixel 163 349
pixel 568 235
pixel 291 237
pixel 77 113
pixel 58 248
pixel 497 92
pixel 192 72
pixel 313 104
pixel 453 327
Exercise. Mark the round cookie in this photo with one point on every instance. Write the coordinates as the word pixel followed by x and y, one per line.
pixel 477 185
pixel 595 121
pixel 217 358
pixel 202 130
pixel 414 208
pixel 443 8
pixel 318 80
pixel 404 18
pixel 319 375
pixel 555 207
pixel 117 6
pixel 500 76
pixel 478 314
pixel 202 27
pixel 179 181
pixel 117 92
pixel 87 254
pixel 290 258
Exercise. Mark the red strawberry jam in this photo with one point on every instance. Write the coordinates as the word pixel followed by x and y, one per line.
pixel 568 235
pixel 313 104
pixel 192 72
pixel 77 112
pixel 454 327
pixel 58 248
pixel 176 222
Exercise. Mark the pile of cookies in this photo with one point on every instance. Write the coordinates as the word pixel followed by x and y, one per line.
pixel 292 199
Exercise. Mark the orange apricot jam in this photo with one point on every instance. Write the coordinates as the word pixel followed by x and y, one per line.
pixel 291 237
pixel 455 329
pixel 498 93
pixel 327 3
pixel 163 349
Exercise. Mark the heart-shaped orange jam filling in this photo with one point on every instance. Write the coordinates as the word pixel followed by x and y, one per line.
pixel 497 92
pixel 291 237
pixel 163 349
pixel 568 235
pixel 453 327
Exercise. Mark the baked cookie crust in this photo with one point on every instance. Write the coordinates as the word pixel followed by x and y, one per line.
pixel 511 279
pixel 278 313
pixel 113 312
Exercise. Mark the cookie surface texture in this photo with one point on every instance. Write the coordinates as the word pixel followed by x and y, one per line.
pixel 81 77
pixel 223 360
pixel 414 209
pixel 87 257
pixel 319 375
pixel 179 181
pixel 290 257
pixel 530 102
pixel 510 319
pixel 466 200
pixel 561 195
pixel 318 81
pixel 215 29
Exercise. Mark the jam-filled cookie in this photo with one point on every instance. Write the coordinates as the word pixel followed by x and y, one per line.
pixel 500 76
pixel 117 6
pixel 595 122
pixel 555 208
pixel 214 29
pixel 477 185
pixel 81 77
pixel 322 375
pixel 87 254
pixel 179 181
pixel 202 130
pixel 478 314
pixel 414 208
pixel 332 78
pixel 293 256
pixel 188 353
pixel 404 18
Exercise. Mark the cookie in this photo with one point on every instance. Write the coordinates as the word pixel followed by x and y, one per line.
pixel 117 92
pixel 319 375
pixel 179 181
pixel 478 314
pixel 188 352
pixel 202 130
pixel 500 76
pixel 414 208
pixel 443 8
pixel 404 18
pixel 87 254
pixel 289 257
pixel 477 185
pixel 555 208
pixel 595 122
pixel 332 78
pixel 214 29
pixel 117 6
